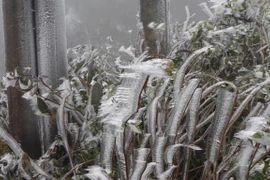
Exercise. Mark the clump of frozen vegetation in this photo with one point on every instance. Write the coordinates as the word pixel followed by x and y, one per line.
pixel 202 112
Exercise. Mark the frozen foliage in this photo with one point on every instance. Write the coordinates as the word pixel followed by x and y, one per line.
pixel 200 113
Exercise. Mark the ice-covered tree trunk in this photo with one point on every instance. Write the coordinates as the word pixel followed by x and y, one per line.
pixel 51 48
pixel 34 33
pixel 156 38
pixel 20 52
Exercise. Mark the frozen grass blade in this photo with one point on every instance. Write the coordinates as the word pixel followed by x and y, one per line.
pixel 153 112
pixel 244 160
pixel 191 127
pixel 140 162
pixel 181 72
pixel 145 140
pixel 225 103
pixel 167 174
pixel 148 170
pixel 182 102
pixel 158 154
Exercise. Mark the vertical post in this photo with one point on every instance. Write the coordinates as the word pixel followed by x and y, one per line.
pixel 20 52
pixel 156 11
pixel 51 48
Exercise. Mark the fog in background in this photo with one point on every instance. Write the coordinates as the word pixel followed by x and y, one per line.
pixel 91 21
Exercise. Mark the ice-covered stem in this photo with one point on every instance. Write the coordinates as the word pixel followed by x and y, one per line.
pixel 156 11
pixel 62 128
pixel 16 148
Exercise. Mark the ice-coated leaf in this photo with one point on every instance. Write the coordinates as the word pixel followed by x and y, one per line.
pixel 140 162
pixel 182 102
pixel 25 83
pixel 134 125
pixel 148 170
pixel 224 108
pixel 181 72
pixel 107 147
pixel 153 112
pixel 158 154
pixel 97 173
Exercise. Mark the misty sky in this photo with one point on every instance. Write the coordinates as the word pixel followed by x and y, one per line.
pixel 91 21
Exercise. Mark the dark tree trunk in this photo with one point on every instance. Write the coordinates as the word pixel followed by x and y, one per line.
pixel 20 52
pixel 155 11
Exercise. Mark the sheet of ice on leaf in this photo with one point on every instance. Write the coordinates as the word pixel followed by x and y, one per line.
pixel 97 173
pixel 117 109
